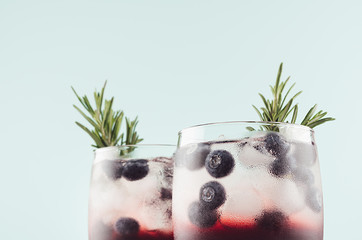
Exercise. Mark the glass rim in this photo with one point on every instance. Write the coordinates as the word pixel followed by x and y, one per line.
pixel 134 145
pixel 246 122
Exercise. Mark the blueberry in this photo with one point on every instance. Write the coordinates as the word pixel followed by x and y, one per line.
pixel 127 227
pixel 276 145
pixel 202 217
pixel 113 169
pixel 314 199
pixel 212 195
pixel 219 163
pixel 279 167
pixel 135 169
pixel 192 156
pixel 272 220
pixel 166 193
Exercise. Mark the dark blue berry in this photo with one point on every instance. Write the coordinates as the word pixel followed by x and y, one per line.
pixel 127 227
pixel 192 156
pixel 219 163
pixel 272 220
pixel 276 145
pixel 135 169
pixel 212 195
pixel 279 167
pixel 166 193
pixel 113 169
pixel 202 217
pixel 314 199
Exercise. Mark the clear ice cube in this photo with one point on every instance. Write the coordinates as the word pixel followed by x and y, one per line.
pixel 251 154
pixel 305 154
pixel 280 193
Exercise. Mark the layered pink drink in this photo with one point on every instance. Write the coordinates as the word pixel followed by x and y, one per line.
pixel 247 184
pixel 131 192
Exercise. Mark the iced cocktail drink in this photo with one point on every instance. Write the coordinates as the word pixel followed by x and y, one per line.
pixel 130 193
pixel 233 183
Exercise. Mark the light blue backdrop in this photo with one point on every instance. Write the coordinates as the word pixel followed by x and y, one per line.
pixel 174 64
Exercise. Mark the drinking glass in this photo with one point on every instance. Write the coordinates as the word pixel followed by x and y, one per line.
pixel 247 180
pixel 130 193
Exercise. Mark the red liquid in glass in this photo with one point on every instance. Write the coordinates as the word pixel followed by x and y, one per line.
pixel 249 231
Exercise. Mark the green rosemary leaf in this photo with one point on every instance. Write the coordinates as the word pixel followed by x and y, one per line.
pixel 289 111
pixel 250 128
pixel 309 115
pixel 131 134
pixel 79 98
pixel 97 140
pixel 284 112
pixel 266 103
pixel 87 118
pixel 107 114
pixel 101 95
pixel 109 126
pixel 282 86
pixel 105 121
pixel 295 113
pixel 296 95
pixel 267 114
pixel 286 95
pixel 258 112
pixel 275 111
pixel 89 107
pixel 117 125
pixel 319 122
pixel 318 116
pixel 278 79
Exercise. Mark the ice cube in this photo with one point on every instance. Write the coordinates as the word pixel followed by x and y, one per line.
pixel 242 201
pixel 280 193
pixel 192 156
pixel 111 200
pixel 164 172
pixel 305 154
pixel 106 153
pixel 314 199
pixel 145 187
pixel 231 146
pixel 156 213
pixel 296 133
pixel 251 154
pixel 303 175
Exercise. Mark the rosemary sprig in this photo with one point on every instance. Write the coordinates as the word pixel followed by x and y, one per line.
pixel 106 123
pixel 279 108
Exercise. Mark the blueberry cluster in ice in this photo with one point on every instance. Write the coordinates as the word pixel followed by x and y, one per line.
pixel 265 178
pixel 127 195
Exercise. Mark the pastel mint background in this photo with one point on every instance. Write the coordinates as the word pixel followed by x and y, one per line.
pixel 174 64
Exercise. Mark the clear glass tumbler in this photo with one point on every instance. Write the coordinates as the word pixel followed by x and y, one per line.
pixel 247 180
pixel 131 192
